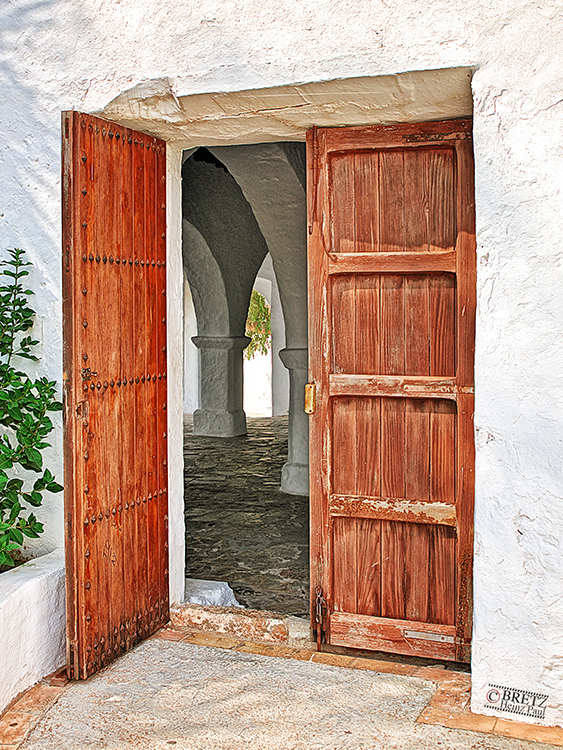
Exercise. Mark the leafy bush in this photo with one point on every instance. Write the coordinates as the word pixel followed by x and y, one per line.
pixel 258 326
pixel 24 418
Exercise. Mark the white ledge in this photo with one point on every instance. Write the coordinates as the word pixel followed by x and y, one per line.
pixel 32 623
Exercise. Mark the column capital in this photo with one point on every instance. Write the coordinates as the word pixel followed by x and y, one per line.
pixel 294 358
pixel 221 342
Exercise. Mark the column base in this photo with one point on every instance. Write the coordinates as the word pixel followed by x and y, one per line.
pixel 295 478
pixel 219 423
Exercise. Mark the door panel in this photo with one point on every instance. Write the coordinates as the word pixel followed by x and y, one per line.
pixel 394 324
pixel 114 284
pixel 391 310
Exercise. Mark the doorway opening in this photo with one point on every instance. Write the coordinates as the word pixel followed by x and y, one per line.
pixel 245 432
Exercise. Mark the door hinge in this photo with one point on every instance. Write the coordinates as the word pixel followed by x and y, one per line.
pixel 319 608
pixel 310 398
pixel 71 667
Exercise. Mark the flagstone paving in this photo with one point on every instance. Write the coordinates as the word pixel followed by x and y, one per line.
pixel 240 527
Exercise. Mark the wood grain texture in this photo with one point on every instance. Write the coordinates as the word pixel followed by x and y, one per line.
pixel 111 443
pixel 367 237
pixel 345 564
pixel 319 307
pixel 466 310
pixel 368 571
pixel 391 310
pixel 411 386
pixel 393 509
pixel 411 262
pixel 162 382
pixel 387 634
pixel 444 133
pixel 394 324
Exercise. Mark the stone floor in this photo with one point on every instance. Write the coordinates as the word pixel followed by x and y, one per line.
pixel 240 527
pixel 198 692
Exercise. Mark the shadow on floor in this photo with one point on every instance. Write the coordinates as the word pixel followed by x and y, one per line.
pixel 240 527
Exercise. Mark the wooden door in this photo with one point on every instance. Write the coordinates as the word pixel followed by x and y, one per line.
pixel 392 310
pixel 114 287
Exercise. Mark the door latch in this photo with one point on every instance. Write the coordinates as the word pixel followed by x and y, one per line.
pixel 320 602
pixel 310 398
pixel 87 374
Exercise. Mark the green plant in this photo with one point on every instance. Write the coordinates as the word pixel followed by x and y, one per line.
pixel 258 326
pixel 25 404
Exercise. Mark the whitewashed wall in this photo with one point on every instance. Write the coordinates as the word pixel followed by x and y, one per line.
pixel 80 54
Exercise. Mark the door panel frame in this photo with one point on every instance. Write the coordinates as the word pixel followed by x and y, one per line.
pixel 459 388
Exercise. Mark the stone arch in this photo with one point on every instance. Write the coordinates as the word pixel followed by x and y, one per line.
pixel 206 283
pixel 272 179
pixel 223 249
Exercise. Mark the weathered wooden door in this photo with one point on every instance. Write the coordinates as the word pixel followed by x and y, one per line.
pixel 391 310
pixel 114 286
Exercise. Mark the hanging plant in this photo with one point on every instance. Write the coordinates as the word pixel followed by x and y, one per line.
pixel 258 326
pixel 25 404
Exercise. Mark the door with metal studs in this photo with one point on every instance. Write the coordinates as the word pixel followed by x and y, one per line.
pixel 115 388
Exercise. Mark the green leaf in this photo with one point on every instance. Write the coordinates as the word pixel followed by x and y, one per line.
pixel 32 533
pixel 16 536
pixel 25 403
pixel 34 459
pixel 33 498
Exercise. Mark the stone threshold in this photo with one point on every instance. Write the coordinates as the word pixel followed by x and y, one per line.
pixel 448 707
pixel 252 624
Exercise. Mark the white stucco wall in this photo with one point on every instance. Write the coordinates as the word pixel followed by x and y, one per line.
pixel 32 624
pixel 82 53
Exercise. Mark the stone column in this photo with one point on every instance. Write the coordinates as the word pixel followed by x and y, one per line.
pixel 220 412
pixel 295 473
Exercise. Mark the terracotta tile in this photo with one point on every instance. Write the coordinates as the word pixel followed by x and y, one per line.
pixel 14 725
pixel 10 747
pixel 38 698
pixel 431 715
pixel 211 639
pixel 303 654
pixel 265 649
pixel 451 697
pixel 168 634
pixel 335 660
pixel 457 720
pixel 58 678
pixel 519 730
pixel 457 679
pixel 431 673
pixel 473 722
pixel 385 667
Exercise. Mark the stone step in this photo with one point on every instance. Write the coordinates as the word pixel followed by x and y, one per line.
pixel 250 624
